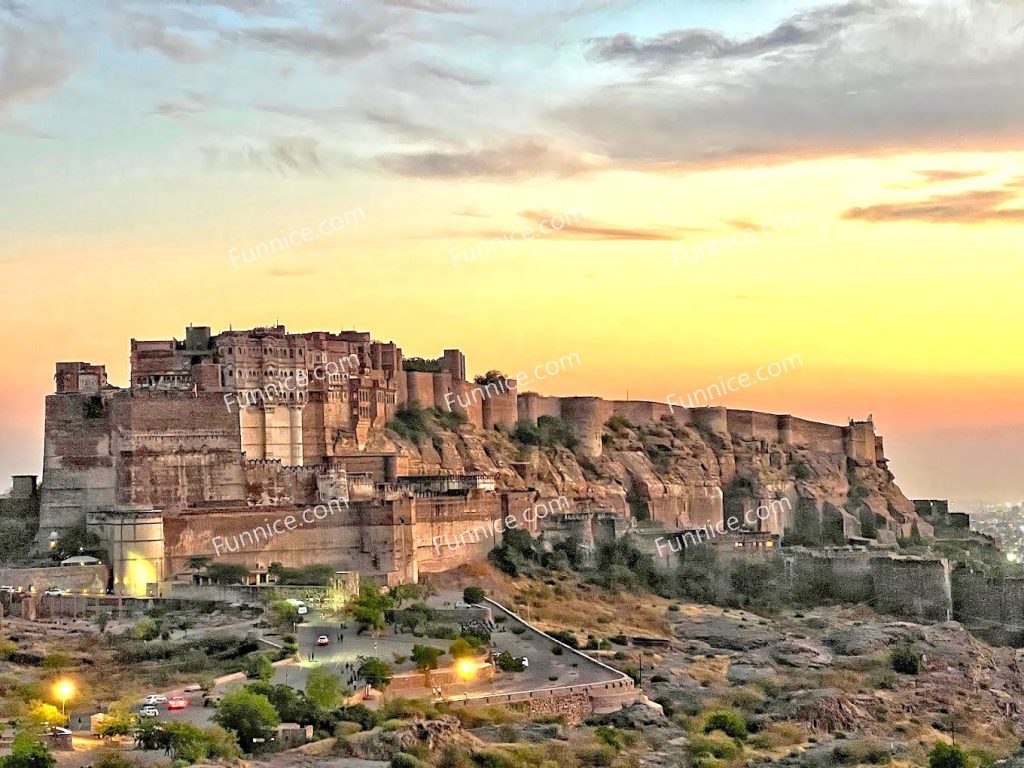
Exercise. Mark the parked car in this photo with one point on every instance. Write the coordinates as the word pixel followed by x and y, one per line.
pixel 192 688
pixel 149 712
pixel 526 662
pixel 54 592
pixel 300 607
pixel 323 640
pixel 177 702
pixel 154 698
pixel 8 590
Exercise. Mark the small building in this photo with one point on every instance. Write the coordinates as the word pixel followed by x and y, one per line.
pixel 291 735
pixel 80 560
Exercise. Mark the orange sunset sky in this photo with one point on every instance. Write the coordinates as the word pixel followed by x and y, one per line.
pixel 873 151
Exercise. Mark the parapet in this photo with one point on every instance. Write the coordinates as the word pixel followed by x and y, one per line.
pixel 81 377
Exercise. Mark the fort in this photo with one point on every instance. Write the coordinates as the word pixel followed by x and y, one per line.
pixel 163 468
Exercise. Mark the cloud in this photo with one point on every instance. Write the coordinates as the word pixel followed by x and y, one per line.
pixel 289 154
pixel 141 32
pixel 974 207
pixel 514 158
pixel 575 225
pixel 192 104
pixel 328 47
pixel 939 175
pixel 893 75
pixel 446 74
pixel 33 63
pixel 430 6
pixel 805 29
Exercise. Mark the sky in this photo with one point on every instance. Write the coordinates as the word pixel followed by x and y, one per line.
pixel 675 192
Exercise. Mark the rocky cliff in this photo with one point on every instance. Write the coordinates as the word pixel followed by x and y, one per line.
pixel 677 474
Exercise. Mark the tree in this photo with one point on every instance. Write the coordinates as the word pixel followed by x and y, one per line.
pixel 425 657
pixel 188 741
pixel 323 688
pixel 257 666
pixel 41 714
pixel 402 592
pixel 284 613
pixel 461 648
pixel 473 595
pixel 509 663
pixel 369 608
pixel 227 573
pixel 28 752
pixel 948 756
pixel 250 715
pixel 376 672
pixel 117 722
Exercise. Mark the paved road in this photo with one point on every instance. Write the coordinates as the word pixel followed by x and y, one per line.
pixel 546 668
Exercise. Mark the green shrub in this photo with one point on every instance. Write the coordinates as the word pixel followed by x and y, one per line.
pixel 727 721
pixel 948 756
pixel 906 659
pixel 473 595
pixel 403 760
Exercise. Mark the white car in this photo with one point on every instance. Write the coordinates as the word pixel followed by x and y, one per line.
pixel 54 592
pixel 300 607
pixel 8 590
pixel 153 699
pixel 526 662
pixel 149 712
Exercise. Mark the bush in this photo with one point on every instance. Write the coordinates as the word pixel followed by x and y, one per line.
pixel 861 753
pixel 729 722
pixel 403 760
pixel 113 759
pixel 361 715
pixel 257 666
pixel 509 663
pixel 906 659
pixel 473 595
pixel 948 756
pixel 28 752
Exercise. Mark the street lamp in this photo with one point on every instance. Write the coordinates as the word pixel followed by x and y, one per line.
pixel 64 690
pixel 465 668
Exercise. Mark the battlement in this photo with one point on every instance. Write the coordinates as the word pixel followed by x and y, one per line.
pixel 586 416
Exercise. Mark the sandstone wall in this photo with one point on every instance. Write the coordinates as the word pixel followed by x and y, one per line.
pixel 450 531
pixel 532 406
pixel 586 417
pixel 502 409
pixel 420 387
pixel 78 463
pixel 912 587
pixel 176 450
pixel 78 578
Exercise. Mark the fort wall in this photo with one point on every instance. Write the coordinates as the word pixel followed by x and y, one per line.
pixel 78 462
pixel 501 409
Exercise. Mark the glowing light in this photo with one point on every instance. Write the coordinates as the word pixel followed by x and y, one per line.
pixel 465 668
pixel 63 690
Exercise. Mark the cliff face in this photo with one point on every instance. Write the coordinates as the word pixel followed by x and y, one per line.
pixel 683 476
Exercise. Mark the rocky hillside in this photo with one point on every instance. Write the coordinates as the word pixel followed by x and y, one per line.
pixel 677 475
